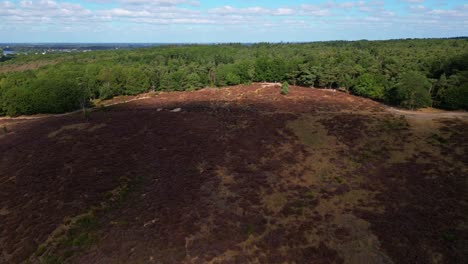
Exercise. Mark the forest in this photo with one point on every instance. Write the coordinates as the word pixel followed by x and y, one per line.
pixel 410 73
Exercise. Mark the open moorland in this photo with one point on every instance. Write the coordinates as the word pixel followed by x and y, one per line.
pixel 235 175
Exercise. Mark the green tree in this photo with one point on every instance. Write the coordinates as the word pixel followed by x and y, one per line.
pixel 17 101
pixel 192 81
pixel 412 91
pixel 232 79
pixel 368 86
pixel 455 95
pixel 136 81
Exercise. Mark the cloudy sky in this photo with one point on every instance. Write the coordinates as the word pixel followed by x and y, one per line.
pixel 228 21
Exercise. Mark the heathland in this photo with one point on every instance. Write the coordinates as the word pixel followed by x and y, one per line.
pixel 163 164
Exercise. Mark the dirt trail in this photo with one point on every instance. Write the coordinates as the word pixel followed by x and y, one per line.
pixel 429 114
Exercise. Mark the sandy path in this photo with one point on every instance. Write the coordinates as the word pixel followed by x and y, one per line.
pixel 424 115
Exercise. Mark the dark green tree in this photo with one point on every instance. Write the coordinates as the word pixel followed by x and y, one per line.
pixel 367 85
pixel 412 91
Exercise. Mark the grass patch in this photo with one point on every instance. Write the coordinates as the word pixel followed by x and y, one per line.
pixel 437 139
pixel 339 180
pixel 250 229
pixel 371 151
pixel 393 124
pixel 275 202
pixel 118 196
pixel 310 132
pixel 51 259
pixel 310 195
pixel 449 237
pixel 80 233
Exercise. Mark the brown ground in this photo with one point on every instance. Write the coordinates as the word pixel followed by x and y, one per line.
pixel 240 175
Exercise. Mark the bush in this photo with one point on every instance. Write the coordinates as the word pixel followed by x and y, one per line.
pixel 17 101
pixel 285 88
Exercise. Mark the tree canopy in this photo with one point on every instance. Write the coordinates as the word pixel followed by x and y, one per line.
pixel 406 73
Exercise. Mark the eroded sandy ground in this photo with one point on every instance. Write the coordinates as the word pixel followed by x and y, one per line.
pixel 239 175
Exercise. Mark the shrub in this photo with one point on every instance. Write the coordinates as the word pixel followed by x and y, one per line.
pixel 285 88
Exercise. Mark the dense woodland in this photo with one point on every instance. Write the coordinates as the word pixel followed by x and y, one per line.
pixel 405 73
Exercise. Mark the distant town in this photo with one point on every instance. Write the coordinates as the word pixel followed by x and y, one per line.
pixel 48 48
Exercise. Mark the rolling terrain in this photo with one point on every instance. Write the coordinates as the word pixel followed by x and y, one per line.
pixel 235 175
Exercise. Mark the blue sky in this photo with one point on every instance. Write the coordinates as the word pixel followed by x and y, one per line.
pixel 202 21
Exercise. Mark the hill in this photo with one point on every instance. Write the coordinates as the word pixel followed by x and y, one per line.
pixel 235 175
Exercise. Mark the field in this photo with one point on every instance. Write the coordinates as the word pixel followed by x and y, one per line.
pixel 235 175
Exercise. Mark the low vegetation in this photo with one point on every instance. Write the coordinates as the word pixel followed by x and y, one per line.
pixel 311 177
pixel 285 88
pixel 406 73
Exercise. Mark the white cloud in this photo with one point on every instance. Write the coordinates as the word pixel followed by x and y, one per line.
pixel 414 1
pixel 63 15
pixel 283 12
pixel 313 10
pixel 160 2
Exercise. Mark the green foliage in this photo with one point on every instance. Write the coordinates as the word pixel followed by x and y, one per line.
pixel 456 97
pixel 437 139
pixel 368 85
pixel 285 88
pixel 192 81
pixel 135 81
pixel 452 93
pixel 232 79
pixel 392 71
pixel 412 91
pixel 81 235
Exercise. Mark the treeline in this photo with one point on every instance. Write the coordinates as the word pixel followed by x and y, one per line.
pixel 406 73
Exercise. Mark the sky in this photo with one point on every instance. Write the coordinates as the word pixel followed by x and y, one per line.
pixel 216 21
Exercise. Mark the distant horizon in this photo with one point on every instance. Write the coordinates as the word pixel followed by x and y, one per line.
pixel 216 43
pixel 227 21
